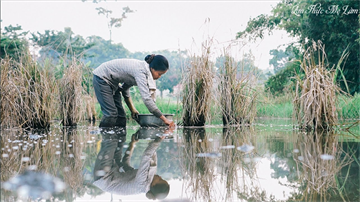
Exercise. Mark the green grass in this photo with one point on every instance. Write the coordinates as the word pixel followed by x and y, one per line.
pixel 275 110
pixel 166 106
pixel 277 107
pixel 280 107
pixel 349 107
pixel 274 106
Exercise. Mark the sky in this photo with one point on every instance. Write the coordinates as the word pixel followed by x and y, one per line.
pixel 154 25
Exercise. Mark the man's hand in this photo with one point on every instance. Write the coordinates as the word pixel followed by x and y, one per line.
pixel 135 138
pixel 168 122
pixel 135 115
pixel 134 112
pixel 169 131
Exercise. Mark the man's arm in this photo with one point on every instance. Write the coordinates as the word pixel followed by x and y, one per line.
pixel 126 95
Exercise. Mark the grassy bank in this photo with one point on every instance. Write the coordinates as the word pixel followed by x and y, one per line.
pixel 349 108
pixel 282 107
pixel 268 106
pixel 275 107
pixel 166 106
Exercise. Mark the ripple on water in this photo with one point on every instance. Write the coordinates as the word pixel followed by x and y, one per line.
pixel 209 155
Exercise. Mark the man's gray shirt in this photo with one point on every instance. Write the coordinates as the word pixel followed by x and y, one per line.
pixel 129 72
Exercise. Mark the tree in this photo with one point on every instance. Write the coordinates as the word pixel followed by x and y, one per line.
pixel 245 66
pixel 112 21
pixel 335 23
pixel 281 81
pixel 359 30
pixel 57 44
pixel 173 76
pixel 279 59
pixel 102 51
pixel 63 48
pixel 13 42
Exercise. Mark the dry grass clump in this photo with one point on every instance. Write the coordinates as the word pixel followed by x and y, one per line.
pixel 8 93
pixel 198 83
pixel 70 91
pixel 236 94
pixel 32 95
pixel 90 107
pixel 315 98
pixel 27 91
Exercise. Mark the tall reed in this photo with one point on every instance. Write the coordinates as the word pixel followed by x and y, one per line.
pixel 315 96
pixel 27 91
pixel 197 83
pixel 8 95
pixel 236 94
pixel 88 94
pixel 70 92
pixel 90 102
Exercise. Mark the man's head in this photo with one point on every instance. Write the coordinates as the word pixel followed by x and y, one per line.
pixel 159 188
pixel 158 64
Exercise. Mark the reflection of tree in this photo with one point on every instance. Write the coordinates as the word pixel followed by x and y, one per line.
pixel 319 162
pixel 284 165
pixel 168 161
pixel 284 168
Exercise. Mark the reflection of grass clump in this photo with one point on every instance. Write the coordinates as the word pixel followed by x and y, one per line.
pixel 319 162
pixel 200 171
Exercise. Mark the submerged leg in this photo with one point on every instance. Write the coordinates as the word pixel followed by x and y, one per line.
pixel 104 95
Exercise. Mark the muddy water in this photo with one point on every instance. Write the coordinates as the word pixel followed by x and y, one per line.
pixel 268 161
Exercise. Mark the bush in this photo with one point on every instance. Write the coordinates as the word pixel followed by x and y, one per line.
pixel 281 82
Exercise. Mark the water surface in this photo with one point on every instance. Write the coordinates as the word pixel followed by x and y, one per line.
pixel 268 161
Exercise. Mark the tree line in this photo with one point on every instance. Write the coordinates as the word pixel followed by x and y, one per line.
pixel 335 23
pixel 58 46
pixel 92 51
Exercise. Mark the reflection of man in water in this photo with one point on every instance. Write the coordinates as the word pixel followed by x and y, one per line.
pixel 113 175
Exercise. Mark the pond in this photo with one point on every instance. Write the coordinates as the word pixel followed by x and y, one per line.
pixel 267 161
